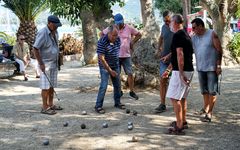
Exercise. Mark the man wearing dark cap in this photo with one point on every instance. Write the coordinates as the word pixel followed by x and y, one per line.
pixel 46 51
pixel 126 34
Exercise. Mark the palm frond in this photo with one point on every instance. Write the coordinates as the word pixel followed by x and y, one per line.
pixel 26 9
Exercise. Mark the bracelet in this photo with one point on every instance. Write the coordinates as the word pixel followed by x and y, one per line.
pixel 218 66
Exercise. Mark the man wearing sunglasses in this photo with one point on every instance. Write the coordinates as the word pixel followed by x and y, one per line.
pixel 164 53
pixel 208 52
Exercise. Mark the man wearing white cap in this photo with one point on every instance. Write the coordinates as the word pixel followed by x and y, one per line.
pixel 46 52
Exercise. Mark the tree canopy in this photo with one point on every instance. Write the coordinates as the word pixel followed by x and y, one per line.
pixel 174 5
pixel 72 10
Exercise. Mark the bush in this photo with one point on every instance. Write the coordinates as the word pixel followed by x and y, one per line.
pixel 70 45
pixel 234 45
pixel 11 40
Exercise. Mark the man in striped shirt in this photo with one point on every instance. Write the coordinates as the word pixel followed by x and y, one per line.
pixel 108 51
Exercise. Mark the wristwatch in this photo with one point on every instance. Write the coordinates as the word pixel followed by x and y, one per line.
pixel 218 66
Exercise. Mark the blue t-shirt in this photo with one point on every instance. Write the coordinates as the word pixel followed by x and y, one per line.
pixel 110 51
pixel 167 35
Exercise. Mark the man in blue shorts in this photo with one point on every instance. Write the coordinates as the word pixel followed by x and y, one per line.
pixel 164 53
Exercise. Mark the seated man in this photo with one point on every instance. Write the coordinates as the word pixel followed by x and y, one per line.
pixel 7 53
pixel 21 51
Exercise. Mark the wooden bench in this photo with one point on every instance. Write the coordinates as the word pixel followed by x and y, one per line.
pixel 7 69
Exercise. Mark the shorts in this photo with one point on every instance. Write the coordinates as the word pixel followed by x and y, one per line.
pixel 177 89
pixel 127 65
pixel 163 67
pixel 208 82
pixel 51 75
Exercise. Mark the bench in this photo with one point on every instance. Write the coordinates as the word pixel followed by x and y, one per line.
pixel 7 69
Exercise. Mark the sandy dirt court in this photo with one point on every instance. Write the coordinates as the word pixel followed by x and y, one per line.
pixel 23 127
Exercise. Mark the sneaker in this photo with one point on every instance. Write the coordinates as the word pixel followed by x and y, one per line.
pixel 161 108
pixel 133 95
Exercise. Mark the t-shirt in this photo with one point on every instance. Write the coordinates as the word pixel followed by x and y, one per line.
pixel 167 35
pixel 47 46
pixel 182 40
pixel 109 50
pixel 125 35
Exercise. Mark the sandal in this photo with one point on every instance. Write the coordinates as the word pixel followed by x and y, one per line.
pixel 206 118
pixel 201 112
pixel 175 131
pixel 174 123
pixel 48 111
pixel 120 106
pixel 99 110
pixel 55 107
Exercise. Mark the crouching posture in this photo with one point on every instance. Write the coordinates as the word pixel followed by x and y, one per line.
pixel 107 50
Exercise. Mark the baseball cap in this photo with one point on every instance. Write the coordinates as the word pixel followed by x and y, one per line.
pixel 55 20
pixel 118 19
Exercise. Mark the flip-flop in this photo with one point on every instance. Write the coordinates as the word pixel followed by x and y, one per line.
pixel 55 107
pixel 48 111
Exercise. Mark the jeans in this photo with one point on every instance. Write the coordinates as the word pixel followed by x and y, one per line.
pixel 103 87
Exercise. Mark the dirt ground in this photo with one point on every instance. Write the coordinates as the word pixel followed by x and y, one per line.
pixel 23 127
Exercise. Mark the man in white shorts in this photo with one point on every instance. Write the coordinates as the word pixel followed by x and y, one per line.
pixel 46 51
pixel 182 72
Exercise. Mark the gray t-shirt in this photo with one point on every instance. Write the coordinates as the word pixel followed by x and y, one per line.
pixel 48 48
pixel 167 35
pixel 206 54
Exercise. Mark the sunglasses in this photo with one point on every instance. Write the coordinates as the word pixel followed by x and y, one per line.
pixel 22 39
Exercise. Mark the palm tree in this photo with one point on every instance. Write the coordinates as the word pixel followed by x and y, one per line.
pixel 26 11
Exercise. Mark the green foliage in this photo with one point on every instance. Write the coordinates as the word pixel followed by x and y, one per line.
pixel 26 9
pixel 11 40
pixel 238 10
pixel 174 6
pixel 234 45
pixel 138 26
pixel 72 10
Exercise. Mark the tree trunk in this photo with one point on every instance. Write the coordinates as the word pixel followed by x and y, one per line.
pixel 104 19
pixel 144 12
pixel 143 56
pixel 29 30
pixel 221 12
pixel 89 37
pixel 186 4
